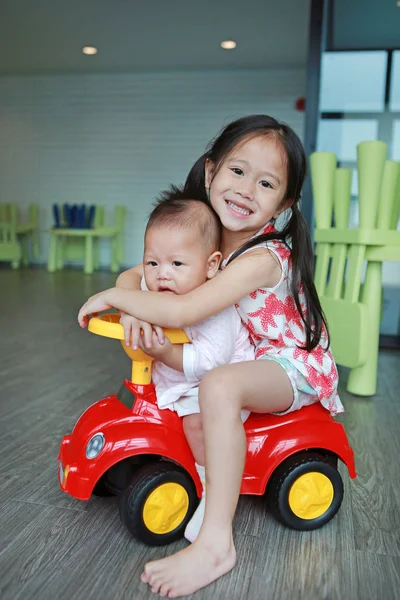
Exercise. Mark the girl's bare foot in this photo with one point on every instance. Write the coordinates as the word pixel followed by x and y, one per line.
pixel 190 569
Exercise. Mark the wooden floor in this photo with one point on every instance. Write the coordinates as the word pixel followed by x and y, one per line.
pixel 52 546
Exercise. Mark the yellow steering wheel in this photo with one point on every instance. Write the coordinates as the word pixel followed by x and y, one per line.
pixel 108 325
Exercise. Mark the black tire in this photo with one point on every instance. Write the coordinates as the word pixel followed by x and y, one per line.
pixel 144 482
pixel 285 476
pixel 114 481
pixel 101 490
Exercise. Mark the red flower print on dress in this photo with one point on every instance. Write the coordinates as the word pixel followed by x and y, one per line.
pixel 272 307
pixel 279 342
pixel 254 335
pixel 302 354
pixel 318 354
pixel 253 295
pixel 289 335
pixel 264 350
pixel 269 228
pixel 326 387
pixel 313 377
pixel 291 312
pixel 284 252
pixel 331 406
pixel 333 373
pixel 323 384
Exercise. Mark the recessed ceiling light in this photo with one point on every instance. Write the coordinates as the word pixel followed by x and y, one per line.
pixel 89 50
pixel 228 45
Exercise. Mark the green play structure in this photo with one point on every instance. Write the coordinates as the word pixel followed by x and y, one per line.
pixel 15 235
pixel 353 306
pixel 82 244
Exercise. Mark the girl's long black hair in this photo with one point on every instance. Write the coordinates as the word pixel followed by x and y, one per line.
pixel 295 233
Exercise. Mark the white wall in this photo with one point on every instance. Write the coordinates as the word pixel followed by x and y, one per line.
pixel 121 138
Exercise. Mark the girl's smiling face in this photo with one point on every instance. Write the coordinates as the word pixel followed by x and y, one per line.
pixel 249 188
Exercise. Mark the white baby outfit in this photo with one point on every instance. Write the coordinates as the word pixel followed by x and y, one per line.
pixel 221 339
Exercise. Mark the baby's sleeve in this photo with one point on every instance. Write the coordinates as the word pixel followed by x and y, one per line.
pixel 213 344
pixel 143 285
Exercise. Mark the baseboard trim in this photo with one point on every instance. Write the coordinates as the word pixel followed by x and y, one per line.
pixel 389 342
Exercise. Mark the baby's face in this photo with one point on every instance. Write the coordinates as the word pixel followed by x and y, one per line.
pixel 175 260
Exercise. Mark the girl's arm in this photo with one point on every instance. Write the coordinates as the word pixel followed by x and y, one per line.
pixel 131 278
pixel 255 269
pixel 135 328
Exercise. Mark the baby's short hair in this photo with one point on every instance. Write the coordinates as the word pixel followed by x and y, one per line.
pixel 174 208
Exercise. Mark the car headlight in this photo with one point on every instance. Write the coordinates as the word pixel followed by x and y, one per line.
pixel 95 445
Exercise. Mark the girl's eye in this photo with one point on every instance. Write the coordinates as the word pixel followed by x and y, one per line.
pixel 237 171
pixel 266 184
pixel 176 263
pixel 152 263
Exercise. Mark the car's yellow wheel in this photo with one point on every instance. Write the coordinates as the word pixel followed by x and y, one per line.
pixel 166 508
pixel 311 495
pixel 305 491
pixel 158 503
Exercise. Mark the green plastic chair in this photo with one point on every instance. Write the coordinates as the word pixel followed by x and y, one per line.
pixel 70 244
pixel 15 236
pixel 352 308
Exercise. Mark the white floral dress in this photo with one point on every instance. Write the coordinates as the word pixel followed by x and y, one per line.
pixel 278 333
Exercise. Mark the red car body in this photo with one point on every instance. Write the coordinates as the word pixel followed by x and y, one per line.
pixel 144 429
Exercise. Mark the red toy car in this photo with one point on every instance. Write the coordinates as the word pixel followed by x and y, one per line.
pixel 124 445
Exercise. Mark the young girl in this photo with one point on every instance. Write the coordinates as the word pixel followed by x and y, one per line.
pixel 252 173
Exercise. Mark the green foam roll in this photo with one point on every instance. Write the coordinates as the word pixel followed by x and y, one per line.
pixel 371 158
pixel 341 197
pixel 388 194
pixel 323 169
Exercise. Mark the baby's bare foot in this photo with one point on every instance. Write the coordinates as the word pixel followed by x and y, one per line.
pixel 193 527
pixel 190 569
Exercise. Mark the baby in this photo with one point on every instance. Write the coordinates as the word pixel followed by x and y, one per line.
pixel 181 252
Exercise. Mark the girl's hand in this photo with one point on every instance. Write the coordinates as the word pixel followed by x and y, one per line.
pixel 97 303
pixel 135 330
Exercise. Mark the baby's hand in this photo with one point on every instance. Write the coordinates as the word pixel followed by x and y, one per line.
pixel 155 348
pixel 136 331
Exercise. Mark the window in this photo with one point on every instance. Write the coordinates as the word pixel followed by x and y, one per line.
pixel 353 81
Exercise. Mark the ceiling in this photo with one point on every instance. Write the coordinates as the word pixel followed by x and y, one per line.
pixel 46 36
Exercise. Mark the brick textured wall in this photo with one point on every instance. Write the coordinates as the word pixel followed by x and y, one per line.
pixel 121 138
